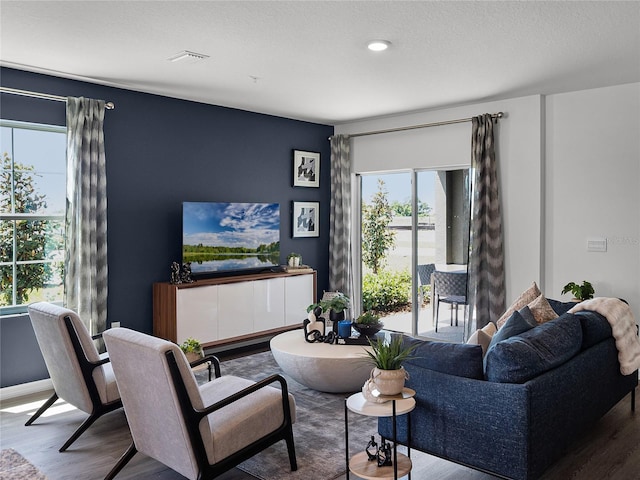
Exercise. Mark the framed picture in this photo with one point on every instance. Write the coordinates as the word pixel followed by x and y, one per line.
pixel 305 219
pixel 306 169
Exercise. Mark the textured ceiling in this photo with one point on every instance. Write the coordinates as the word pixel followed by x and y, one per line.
pixel 310 57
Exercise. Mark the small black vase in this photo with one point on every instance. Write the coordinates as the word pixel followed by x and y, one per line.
pixel 335 317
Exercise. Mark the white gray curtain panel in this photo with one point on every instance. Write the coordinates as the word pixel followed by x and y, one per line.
pixel 486 295
pixel 86 213
pixel 340 256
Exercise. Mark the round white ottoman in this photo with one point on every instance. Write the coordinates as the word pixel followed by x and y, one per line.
pixel 321 366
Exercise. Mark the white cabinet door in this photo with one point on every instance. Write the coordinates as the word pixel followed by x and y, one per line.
pixel 298 295
pixel 197 313
pixel 268 304
pixel 235 309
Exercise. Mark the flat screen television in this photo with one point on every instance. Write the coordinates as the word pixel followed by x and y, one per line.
pixel 230 237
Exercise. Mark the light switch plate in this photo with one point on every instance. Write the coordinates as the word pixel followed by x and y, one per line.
pixel 596 244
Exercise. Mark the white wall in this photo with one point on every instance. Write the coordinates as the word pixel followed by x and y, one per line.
pixel 593 190
pixel 519 156
pixel 555 152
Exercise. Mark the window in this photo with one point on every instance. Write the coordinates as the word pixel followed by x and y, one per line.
pixel 32 209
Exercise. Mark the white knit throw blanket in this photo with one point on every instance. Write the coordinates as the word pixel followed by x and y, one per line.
pixel 623 326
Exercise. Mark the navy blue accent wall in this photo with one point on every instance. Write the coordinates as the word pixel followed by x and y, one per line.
pixel 162 151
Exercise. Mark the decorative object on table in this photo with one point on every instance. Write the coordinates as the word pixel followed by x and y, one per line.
pixel 305 219
pixel 384 454
pixel 335 303
pixel 185 273
pixel 368 324
pixel 192 349
pixel 371 394
pixel 312 324
pixel 580 292
pixel 387 356
pixel 344 328
pixel 316 337
pixel 372 449
pixel 306 169
pixel 294 259
pixel 175 274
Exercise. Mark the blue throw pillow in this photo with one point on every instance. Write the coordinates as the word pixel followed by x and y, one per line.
pixel 525 356
pixel 560 307
pixel 516 324
pixel 457 359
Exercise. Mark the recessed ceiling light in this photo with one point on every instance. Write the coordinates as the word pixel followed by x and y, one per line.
pixel 187 57
pixel 378 45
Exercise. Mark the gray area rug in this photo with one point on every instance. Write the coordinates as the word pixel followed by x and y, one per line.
pixel 14 466
pixel 318 431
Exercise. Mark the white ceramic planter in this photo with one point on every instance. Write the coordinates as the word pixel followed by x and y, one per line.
pixel 389 382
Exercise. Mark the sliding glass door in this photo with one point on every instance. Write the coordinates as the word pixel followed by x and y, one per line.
pixel 412 223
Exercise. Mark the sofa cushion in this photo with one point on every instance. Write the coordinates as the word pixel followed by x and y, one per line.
pixel 541 310
pixel 461 360
pixel 526 297
pixel 525 356
pixel 595 327
pixel 516 324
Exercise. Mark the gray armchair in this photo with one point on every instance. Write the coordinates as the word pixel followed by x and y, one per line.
pixel 80 375
pixel 198 431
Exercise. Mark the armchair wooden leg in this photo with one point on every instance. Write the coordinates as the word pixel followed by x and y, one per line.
pixel 291 449
pixel 79 431
pixel 124 459
pixel 633 400
pixel 41 410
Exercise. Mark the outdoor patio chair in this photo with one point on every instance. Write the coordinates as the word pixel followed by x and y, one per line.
pixel 80 375
pixel 198 431
pixel 451 288
pixel 424 279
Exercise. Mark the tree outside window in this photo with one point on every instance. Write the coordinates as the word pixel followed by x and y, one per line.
pixel 31 215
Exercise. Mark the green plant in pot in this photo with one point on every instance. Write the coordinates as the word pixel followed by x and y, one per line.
pixel 192 349
pixel 580 292
pixel 335 304
pixel 387 357
pixel 368 324
pixel 294 259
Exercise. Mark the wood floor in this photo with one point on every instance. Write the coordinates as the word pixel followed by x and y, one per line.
pixel 611 450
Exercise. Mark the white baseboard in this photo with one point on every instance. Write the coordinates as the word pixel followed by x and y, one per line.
pixel 24 389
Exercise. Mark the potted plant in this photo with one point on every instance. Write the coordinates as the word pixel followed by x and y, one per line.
pixel 192 349
pixel 388 374
pixel 368 324
pixel 294 259
pixel 580 292
pixel 335 305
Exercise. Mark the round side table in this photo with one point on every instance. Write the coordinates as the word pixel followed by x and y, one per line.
pixel 359 464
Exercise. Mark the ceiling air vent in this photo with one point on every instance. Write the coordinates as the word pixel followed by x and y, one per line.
pixel 187 57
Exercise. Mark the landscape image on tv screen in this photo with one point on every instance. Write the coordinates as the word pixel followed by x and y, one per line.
pixel 220 237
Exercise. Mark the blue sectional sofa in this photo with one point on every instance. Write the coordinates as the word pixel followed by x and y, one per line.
pixel 540 391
